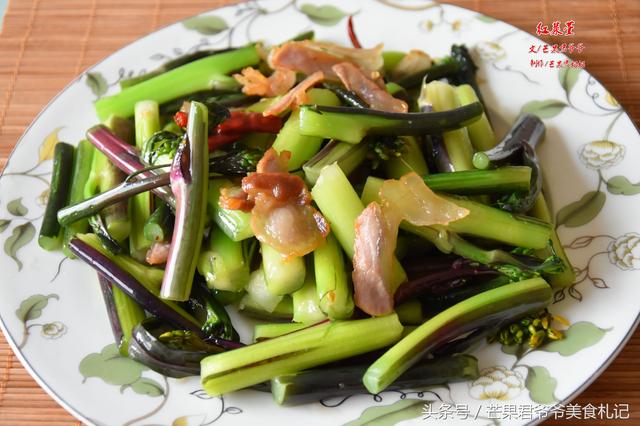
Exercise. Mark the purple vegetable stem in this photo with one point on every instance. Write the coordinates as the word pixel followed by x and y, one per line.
pixel 107 295
pixel 129 285
pixel 181 165
pixel 223 343
pixel 125 157
pixel 459 269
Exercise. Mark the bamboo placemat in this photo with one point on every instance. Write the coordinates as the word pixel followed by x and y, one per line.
pixel 45 44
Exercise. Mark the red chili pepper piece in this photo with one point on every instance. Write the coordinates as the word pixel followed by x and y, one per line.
pixel 181 118
pixel 352 34
pixel 244 122
pixel 241 123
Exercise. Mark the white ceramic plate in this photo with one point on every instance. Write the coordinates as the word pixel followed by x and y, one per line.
pixel 52 311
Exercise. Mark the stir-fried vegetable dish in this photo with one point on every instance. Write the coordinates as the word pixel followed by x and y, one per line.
pixel 357 201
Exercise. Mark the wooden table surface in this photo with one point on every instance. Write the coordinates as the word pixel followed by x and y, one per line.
pixel 38 58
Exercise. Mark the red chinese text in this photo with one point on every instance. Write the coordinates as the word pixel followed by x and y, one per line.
pixel 557 48
pixel 557 28
pixel 567 63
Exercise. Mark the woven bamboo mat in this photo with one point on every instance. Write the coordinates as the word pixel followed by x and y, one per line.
pixel 44 44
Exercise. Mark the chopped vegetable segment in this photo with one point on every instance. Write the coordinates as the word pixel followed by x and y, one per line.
pixel 493 307
pixel 81 170
pixel 296 351
pixel 271 330
pixel 147 122
pixel 567 277
pixel 442 97
pixel 333 286
pixel 224 263
pixel 206 73
pixel 351 124
pixel 235 223
pixel 50 237
pixel 484 221
pixel 480 132
pixel 306 303
pixel 189 183
pixel 283 275
pixel 313 385
pixel 302 147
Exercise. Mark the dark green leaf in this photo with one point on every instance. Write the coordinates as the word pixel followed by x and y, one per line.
pixel 206 25
pixel 21 236
pixel 111 367
pixel 544 109
pixel 97 83
pixel 4 224
pixel 620 185
pixel 541 385
pixel 16 207
pixel 486 19
pixel 389 415
pixel 583 211
pixel 568 78
pixel 31 308
pixel 323 15
pixel 579 336
pixel 144 386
